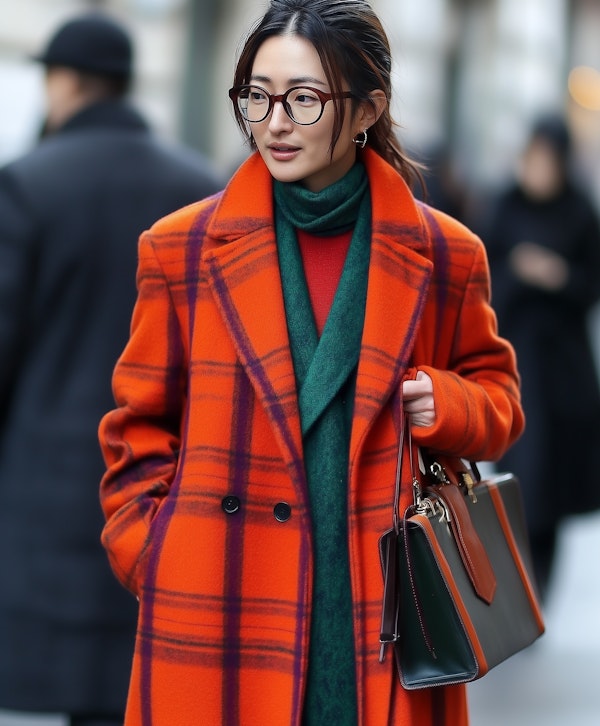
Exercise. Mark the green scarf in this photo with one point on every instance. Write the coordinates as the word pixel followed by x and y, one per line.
pixel 325 372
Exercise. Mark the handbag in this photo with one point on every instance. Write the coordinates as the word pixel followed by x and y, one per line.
pixel 459 595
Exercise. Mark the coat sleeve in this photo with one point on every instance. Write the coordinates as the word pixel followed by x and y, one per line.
pixel 475 379
pixel 140 438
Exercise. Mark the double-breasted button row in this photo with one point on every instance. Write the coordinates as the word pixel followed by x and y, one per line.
pixel 282 511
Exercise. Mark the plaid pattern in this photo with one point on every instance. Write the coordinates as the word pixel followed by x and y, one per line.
pixel 207 409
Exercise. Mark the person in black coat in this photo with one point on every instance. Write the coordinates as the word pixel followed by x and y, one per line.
pixel 544 250
pixel 71 212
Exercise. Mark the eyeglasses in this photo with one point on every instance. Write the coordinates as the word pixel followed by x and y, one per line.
pixel 303 104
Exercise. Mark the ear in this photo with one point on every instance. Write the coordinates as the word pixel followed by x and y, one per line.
pixel 370 111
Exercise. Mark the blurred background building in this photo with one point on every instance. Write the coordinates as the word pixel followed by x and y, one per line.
pixel 470 77
pixel 470 74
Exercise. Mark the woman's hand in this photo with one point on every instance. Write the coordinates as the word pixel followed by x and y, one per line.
pixel 417 396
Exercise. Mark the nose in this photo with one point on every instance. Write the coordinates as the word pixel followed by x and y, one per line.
pixel 279 119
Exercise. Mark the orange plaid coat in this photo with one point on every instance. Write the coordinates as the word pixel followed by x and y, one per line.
pixel 205 447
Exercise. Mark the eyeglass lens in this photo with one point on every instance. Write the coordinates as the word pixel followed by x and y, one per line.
pixel 302 105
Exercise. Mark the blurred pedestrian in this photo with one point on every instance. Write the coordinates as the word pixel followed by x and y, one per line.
pixel 279 330
pixel 71 211
pixel 543 243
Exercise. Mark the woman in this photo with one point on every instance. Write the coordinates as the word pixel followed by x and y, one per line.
pixel 544 251
pixel 251 458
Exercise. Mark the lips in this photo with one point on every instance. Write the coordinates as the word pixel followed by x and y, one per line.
pixel 283 152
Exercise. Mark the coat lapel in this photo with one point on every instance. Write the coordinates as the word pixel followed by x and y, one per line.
pixel 245 281
pixel 398 285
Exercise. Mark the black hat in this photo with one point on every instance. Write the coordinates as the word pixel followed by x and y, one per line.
pixel 553 130
pixel 94 43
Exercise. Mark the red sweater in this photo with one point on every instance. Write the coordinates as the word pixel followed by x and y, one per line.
pixel 323 259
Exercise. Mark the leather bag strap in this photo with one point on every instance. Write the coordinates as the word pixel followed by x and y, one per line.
pixel 388 546
pixel 472 552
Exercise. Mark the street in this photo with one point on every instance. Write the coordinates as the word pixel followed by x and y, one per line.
pixel 556 681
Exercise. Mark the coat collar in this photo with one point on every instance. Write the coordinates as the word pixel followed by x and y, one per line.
pixel 106 114
pixel 241 256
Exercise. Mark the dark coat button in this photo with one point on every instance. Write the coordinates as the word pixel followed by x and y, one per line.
pixel 230 504
pixel 282 512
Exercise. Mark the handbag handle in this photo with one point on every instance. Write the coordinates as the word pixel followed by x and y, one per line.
pixel 405 436
pixel 388 552
pixel 398 483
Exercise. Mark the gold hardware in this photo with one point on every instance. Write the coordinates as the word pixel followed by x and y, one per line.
pixel 469 482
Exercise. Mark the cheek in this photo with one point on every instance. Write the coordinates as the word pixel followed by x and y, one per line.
pixel 320 143
pixel 319 139
pixel 256 131
pixel 344 146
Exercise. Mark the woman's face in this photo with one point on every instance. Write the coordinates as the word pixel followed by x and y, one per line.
pixel 541 171
pixel 293 152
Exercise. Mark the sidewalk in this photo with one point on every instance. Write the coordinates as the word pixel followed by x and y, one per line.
pixel 556 682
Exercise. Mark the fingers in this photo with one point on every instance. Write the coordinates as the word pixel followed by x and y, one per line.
pixel 420 386
pixel 418 400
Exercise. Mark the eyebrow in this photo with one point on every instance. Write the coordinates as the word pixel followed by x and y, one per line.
pixel 292 81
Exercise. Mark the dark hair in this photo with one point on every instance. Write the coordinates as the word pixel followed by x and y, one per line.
pixel 353 48
pixel 105 85
pixel 553 129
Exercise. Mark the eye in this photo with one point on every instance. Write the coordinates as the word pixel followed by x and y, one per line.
pixel 304 97
pixel 257 95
